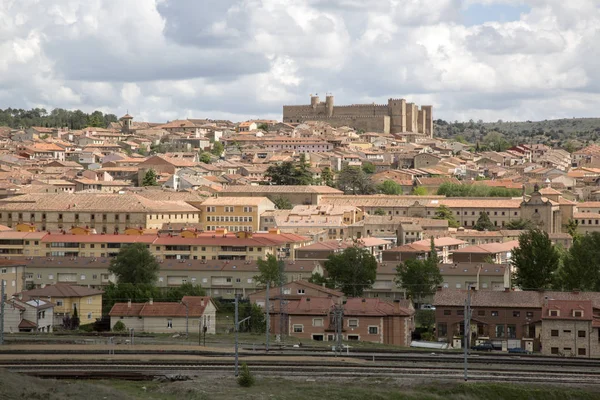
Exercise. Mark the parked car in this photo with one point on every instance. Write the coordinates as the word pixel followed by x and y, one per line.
pixel 427 307
pixel 483 347
pixel 518 350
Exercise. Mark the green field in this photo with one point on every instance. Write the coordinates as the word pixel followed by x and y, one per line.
pixel 16 387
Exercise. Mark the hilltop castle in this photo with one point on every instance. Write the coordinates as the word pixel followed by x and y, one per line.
pixel 397 116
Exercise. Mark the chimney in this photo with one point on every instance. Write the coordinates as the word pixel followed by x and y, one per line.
pixel 545 301
pixel 202 302
pixel 576 291
pixel 129 303
pixel 150 301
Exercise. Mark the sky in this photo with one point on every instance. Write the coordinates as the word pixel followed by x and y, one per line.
pixel 162 60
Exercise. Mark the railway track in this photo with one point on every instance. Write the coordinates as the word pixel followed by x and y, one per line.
pixel 146 371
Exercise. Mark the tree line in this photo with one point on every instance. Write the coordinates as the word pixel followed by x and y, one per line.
pixel 18 118
pixel 540 265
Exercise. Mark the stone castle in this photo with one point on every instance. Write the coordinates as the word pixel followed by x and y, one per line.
pixel 397 116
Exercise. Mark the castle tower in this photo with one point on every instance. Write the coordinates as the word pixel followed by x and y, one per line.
pixel 397 113
pixel 314 101
pixel 329 104
pixel 126 122
pixel 428 110
pixel 411 118
pixel 421 122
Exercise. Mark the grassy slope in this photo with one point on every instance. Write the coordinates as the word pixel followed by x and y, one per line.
pixel 13 387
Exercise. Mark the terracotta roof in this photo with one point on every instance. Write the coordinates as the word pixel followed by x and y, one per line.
pixel 280 189
pixel 235 201
pixel 26 324
pixel 61 290
pixel 566 310
pixel 489 248
pixel 440 242
pixel 410 248
pixel 374 307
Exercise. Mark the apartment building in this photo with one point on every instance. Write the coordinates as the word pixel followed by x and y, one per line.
pixel 295 194
pixel 106 213
pixel 236 214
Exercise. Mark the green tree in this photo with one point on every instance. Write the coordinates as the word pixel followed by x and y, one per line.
pixel 119 327
pixel 205 158
pixel 217 149
pixel 519 224
pixel 135 264
pixel 282 203
pixel 327 176
pixel 420 278
pixel 379 211
pixel 496 141
pixel 572 228
pixel 368 167
pixel 443 212
pixel 263 127
pixel 389 187
pixel 245 379
pixel 352 271
pixel 535 261
pixel 581 266
pixel 419 191
pixel 484 223
pixel 353 180
pixel 289 173
pixel 320 280
pixel 150 178
pixel 269 270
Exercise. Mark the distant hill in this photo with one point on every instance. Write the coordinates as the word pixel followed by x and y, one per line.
pixel 570 134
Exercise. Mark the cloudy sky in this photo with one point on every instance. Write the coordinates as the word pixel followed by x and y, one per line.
pixel 240 59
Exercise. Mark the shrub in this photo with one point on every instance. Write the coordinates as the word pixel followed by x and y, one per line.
pixel 245 379
pixel 119 327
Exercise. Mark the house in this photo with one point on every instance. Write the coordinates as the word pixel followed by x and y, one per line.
pixel 191 314
pixel 66 298
pixel 364 319
pixel 567 327
pixel 34 315
pixel 491 252
pixel 293 292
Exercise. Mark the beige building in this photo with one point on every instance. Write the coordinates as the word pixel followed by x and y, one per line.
pixel 236 214
pixel 192 314
pixel 106 213
pixel 295 194
pixel 568 329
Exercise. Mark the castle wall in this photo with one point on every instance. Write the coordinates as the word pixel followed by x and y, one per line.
pixel 395 117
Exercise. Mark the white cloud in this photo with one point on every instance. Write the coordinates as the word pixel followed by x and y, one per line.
pixel 166 59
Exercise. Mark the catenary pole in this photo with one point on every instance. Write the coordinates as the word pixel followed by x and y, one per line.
pixel 268 316
pixel 236 327
pixel 2 312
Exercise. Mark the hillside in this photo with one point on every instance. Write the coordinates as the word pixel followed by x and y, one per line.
pixel 570 134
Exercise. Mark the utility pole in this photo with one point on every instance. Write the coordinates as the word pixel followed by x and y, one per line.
pixel 467 335
pixel 2 312
pixel 187 319
pixel 268 314
pixel 236 327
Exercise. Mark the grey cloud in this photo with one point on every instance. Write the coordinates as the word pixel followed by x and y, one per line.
pixel 489 40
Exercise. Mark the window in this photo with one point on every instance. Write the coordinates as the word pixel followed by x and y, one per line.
pixel 89 300
pixel 554 332
pixel 494 313
pixel 89 315
pixel 318 322
pixel 50 276
pixel 373 330
pixel 228 209
pixel 499 331
pixel 95 276
pixel 581 352
pixel 300 291
pixel 82 277
pixel 59 303
pixel 238 280
pixel 352 323
pixel 554 313
pixel 567 331
pixel 516 313
pixel 554 350
pixel 529 314
pixel 249 280
pixel 298 328
pixel 511 331
pixel 577 313
pixel 447 312
pixel 442 329
pixel 353 337
pixel 580 333
pixel 169 323
pixel 247 209
pixel 481 313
